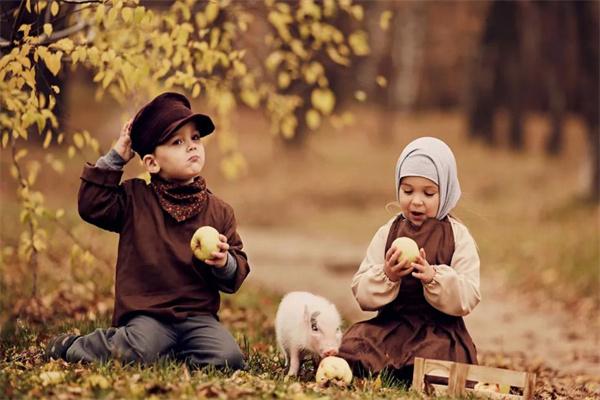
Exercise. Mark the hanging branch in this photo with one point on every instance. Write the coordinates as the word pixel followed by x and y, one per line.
pixel 33 260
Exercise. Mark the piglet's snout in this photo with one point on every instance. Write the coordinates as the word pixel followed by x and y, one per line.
pixel 330 352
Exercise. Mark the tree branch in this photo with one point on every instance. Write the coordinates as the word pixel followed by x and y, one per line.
pixel 15 28
pixel 81 1
pixel 34 252
pixel 81 25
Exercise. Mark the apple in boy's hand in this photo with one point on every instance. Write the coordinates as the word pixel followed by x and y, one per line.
pixel 204 242
pixel 409 248
pixel 333 369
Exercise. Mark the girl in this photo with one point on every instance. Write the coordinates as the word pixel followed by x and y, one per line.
pixel 421 304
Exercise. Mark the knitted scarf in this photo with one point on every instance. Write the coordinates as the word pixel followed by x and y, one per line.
pixel 180 201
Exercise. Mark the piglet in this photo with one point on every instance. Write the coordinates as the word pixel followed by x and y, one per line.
pixel 306 323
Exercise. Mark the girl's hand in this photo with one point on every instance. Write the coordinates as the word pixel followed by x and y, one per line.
pixel 396 267
pixel 123 144
pixel 219 258
pixel 423 271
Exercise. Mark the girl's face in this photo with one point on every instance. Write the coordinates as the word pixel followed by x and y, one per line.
pixel 419 199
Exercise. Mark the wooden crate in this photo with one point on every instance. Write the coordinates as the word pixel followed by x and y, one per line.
pixel 458 374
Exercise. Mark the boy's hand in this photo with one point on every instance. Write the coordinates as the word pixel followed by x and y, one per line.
pixel 423 271
pixel 396 267
pixel 219 258
pixel 123 144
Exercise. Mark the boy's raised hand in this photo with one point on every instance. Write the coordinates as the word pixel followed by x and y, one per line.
pixel 396 267
pixel 219 258
pixel 123 143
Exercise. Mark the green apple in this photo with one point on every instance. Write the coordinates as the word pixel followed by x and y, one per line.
pixel 204 242
pixel 409 248
pixel 333 369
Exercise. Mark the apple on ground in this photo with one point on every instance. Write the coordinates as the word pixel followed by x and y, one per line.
pixel 409 248
pixel 333 369
pixel 204 242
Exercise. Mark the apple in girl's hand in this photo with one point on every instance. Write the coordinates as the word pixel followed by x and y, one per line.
pixel 409 248
pixel 204 242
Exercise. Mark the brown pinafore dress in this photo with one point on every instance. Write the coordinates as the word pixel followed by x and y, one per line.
pixel 409 326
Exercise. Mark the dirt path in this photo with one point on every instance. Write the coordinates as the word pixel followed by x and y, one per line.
pixel 504 321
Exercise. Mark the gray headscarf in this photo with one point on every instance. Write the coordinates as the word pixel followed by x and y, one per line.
pixel 431 158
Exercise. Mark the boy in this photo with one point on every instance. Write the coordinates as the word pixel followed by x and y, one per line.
pixel 166 300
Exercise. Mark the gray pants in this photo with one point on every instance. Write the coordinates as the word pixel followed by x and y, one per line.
pixel 199 340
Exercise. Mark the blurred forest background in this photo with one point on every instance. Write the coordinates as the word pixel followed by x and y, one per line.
pixel 313 106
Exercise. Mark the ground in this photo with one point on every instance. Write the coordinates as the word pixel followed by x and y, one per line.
pixel 306 217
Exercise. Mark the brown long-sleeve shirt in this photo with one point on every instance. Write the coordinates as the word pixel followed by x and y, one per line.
pixel 156 273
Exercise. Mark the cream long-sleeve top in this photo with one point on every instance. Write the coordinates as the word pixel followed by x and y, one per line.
pixel 454 289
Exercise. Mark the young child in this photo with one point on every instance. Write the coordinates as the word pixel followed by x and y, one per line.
pixel 421 304
pixel 166 300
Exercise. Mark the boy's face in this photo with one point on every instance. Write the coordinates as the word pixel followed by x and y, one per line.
pixel 180 158
pixel 419 199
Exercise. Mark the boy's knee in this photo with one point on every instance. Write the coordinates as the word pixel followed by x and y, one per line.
pixel 233 359
pixel 140 355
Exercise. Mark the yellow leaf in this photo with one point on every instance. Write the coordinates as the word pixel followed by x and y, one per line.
pixel 323 100
pixel 25 28
pixel 212 12
pixel 250 97
pixel 65 44
pixel 384 20
pixel 48 29
pixel 288 126
pixel 359 43
pixel 28 6
pixel 108 79
pixel 55 89
pixel 78 140
pixel 360 95
pixel 313 72
pixel 5 137
pixel 20 154
pixel 54 8
pixel 273 60
pixel 336 57
pixel 47 139
pixel 71 152
pixel 29 75
pixel 283 80
pixel 127 14
pixel 100 11
pixel 358 12
pixel 240 68
pixel 60 138
pixel 196 90
pixel 98 381
pixel 313 119
pixel 381 80
pixel 52 61
pixel 59 213
pixel 51 377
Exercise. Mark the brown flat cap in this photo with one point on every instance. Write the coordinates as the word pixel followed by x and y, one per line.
pixel 158 119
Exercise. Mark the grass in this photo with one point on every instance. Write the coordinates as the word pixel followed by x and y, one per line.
pixel 248 315
pixel 524 210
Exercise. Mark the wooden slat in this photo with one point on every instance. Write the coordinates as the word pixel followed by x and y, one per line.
pixel 501 376
pixel 459 373
pixel 457 379
pixel 418 383
pixel 438 368
pixel 529 386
